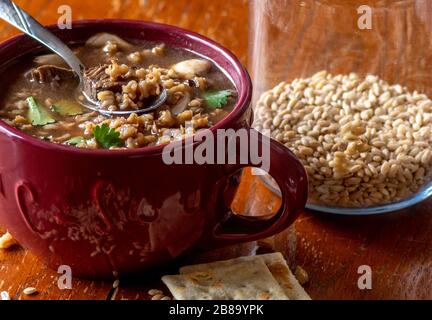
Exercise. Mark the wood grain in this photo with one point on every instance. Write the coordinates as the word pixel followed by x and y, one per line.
pixel 20 269
pixel 398 246
pixel 224 23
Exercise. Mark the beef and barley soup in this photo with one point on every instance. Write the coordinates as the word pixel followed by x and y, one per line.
pixel 41 98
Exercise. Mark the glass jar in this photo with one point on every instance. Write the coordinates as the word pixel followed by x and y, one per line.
pixel 345 84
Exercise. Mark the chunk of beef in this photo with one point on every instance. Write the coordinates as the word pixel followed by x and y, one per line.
pixel 96 80
pixel 50 74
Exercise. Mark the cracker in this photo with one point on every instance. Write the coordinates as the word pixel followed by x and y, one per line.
pixel 237 280
pixel 275 263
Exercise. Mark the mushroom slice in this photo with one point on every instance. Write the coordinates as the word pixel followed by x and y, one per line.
pixel 50 59
pixel 181 105
pixel 99 40
pixel 191 68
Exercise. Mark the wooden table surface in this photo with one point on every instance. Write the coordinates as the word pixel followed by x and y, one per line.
pixel 397 247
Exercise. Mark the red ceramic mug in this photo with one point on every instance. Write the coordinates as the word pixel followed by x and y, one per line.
pixel 103 212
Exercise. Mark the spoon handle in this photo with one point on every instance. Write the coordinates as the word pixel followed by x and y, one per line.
pixel 17 17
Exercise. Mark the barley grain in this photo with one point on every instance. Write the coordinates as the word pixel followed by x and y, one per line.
pixel 6 241
pixel 116 284
pixel 301 275
pixel 29 291
pixel 154 292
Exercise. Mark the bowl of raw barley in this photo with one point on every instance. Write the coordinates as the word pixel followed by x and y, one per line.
pixel 365 143
pixel 347 86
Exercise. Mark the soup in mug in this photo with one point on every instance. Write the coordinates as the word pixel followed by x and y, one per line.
pixel 41 96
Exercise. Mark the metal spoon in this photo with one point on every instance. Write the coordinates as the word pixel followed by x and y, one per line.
pixel 20 19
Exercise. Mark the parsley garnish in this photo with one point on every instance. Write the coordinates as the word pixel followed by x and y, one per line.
pixel 217 99
pixel 75 141
pixel 106 137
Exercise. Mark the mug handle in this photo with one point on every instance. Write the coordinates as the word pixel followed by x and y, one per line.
pixel 291 177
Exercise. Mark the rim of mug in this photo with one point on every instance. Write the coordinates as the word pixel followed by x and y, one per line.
pixel 244 91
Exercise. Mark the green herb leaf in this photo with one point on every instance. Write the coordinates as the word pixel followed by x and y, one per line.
pixel 67 108
pixel 217 99
pixel 75 141
pixel 106 137
pixel 38 115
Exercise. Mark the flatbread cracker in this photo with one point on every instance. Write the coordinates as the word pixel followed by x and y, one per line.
pixel 242 280
pixel 275 263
